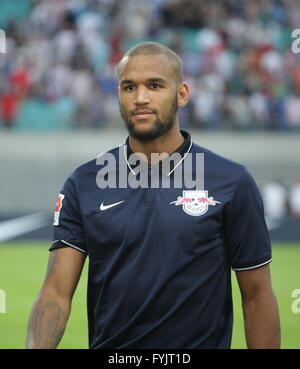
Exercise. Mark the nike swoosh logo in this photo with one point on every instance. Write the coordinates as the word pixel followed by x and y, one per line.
pixel 105 207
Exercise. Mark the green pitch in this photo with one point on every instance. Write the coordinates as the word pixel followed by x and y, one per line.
pixel 22 271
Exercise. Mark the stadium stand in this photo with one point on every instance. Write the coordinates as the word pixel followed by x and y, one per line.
pixel 61 58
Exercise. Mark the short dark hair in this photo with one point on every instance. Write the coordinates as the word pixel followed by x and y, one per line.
pixel 155 48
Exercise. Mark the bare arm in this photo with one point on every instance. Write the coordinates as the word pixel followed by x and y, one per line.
pixel 52 306
pixel 261 316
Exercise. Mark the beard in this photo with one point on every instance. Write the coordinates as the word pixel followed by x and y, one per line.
pixel 160 127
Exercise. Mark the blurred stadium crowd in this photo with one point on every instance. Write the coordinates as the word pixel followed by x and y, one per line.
pixel 60 67
pixel 281 200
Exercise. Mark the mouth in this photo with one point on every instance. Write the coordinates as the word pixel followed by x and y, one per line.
pixel 143 114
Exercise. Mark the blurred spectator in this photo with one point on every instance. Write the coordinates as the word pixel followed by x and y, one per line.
pixel 275 199
pixel 57 81
pixel 292 110
pixel 294 199
pixel 8 107
pixel 258 104
pixel 237 57
pixel 20 81
pixel 81 88
pixel 65 41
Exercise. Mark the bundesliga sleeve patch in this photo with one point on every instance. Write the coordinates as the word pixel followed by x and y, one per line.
pixel 58 208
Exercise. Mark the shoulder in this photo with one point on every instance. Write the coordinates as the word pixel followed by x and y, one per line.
pixel 226 178
pixel 220 165
pixel 91 167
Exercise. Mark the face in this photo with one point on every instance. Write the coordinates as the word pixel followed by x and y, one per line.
pixel 148 96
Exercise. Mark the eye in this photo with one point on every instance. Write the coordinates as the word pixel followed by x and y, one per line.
pixel 154 86
pixel 129 88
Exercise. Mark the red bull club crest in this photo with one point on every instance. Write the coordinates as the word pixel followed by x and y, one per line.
pixel 195 203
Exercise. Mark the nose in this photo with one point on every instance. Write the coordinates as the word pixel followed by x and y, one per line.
pixel 141 96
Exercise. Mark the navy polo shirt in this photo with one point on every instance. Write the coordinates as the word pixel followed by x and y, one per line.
pixel 160 258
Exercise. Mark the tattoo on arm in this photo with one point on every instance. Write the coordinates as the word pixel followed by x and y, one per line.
pixel 46 325
pixel 52 307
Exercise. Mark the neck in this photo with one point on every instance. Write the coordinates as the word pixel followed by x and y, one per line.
pixel 167 143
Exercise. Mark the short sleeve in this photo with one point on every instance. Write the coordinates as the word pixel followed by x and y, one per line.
pixel 246 234
pixel 67 226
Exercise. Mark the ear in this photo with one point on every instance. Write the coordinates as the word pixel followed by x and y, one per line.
pixel 183 93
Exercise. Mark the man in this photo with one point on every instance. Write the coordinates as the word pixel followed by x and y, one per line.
pixel 159 256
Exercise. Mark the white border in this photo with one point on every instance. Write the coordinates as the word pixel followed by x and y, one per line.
pixel 182 158
pixel 253 267
pixel 69 244
pixel 125 156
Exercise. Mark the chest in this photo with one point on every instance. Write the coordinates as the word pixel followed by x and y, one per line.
pixel 158 219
